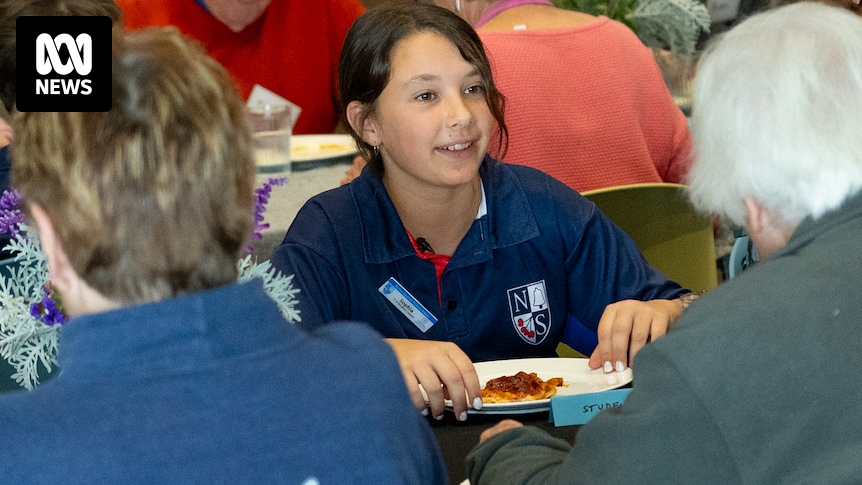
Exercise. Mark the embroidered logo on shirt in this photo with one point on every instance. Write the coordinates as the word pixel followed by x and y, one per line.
pixel 531 316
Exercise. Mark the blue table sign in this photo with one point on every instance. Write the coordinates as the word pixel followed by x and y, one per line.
pixel 580 408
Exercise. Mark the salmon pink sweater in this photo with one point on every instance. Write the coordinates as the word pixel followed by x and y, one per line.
pixel 588 106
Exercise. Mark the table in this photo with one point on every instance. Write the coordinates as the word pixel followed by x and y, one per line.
pixel 304 182
pixel 457 438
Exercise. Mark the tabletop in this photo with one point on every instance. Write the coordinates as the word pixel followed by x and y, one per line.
pixel 304 182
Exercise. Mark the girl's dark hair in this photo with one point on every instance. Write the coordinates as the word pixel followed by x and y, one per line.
pixel 365 64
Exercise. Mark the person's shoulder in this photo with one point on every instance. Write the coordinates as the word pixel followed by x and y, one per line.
pixel 145 13
pixel 342 9
pixel 355 347
pixel 533 181
pixel 331 204
pixel 350 337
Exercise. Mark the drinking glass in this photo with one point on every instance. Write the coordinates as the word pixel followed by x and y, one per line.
pixel 271 126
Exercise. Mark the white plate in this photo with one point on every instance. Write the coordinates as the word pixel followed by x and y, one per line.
pixel 577 377
pixel 311 148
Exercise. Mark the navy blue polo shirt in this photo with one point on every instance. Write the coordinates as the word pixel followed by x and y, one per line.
pixel 541 253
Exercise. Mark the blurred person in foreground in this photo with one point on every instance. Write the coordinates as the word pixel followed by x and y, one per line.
pixel 290 47
pixel 170 371
pixel 610 120
pixel 751 384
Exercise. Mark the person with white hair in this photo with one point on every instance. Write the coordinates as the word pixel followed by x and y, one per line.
pixel 751 385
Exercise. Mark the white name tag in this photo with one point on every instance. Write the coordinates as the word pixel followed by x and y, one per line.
pixel 409 306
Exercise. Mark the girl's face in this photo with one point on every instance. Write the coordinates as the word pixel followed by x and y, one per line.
pixel 431 122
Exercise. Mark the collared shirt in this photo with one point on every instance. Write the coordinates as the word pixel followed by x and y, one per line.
pixel 541 253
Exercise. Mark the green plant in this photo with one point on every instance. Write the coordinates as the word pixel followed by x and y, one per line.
pixel 674 25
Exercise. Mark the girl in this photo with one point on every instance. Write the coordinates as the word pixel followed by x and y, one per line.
pixel 451 255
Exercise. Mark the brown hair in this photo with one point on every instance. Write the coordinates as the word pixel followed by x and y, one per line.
pixel 154 197
pixel 10 10
pixel 365 64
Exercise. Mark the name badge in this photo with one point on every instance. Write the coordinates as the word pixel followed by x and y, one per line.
pixel 580 408
pixel 406 304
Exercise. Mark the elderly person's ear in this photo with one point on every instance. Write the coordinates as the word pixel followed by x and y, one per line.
pixel 768 232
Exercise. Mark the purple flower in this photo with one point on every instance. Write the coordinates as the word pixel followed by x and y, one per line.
pixel 10 216
pixel 261 198
pixel 47 309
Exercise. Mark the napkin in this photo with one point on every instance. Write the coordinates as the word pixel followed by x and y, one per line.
pixel 262 96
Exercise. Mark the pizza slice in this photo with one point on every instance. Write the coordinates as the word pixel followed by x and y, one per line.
pixel 520 387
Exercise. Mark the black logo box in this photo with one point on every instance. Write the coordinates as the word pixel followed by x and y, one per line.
pixel 99 97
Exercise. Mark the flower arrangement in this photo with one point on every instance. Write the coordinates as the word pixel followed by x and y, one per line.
pixel 31 316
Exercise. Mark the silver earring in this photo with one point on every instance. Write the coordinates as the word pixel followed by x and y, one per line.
pixel 376 150
pixel 457 5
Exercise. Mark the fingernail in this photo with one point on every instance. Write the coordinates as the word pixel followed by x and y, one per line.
pixel 425 412
pixel 439 417
pixel 608 367
pixel 463 416
pixel 477 403
pixel 620 366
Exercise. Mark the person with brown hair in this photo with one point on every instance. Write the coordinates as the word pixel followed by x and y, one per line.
pixel 453 256
pixel 170 370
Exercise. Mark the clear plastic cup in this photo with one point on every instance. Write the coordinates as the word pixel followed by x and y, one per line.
pixel 271 127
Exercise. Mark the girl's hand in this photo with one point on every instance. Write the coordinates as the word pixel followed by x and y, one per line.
pixel 443 370
pixel 626 326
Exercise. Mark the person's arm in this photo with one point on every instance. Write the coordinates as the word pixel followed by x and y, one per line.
pixel 613 291
pixel 6 133
pixel 354 170
pixel 663 433
pixel 523 454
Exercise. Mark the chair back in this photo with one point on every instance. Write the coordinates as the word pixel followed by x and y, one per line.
pixel 742 255
pixel 670 233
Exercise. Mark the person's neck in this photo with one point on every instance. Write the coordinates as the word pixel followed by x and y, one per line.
pixel 441 217
pixel 502 6
pixel 237 14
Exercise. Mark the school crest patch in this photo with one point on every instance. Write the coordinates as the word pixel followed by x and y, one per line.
pixel 528 307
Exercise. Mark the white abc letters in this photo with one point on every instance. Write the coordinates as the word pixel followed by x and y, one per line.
pixel 80 54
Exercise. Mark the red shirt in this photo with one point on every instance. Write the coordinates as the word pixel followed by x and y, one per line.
pixel 291 49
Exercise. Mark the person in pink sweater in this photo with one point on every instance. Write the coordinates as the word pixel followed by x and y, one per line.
pixel 585 100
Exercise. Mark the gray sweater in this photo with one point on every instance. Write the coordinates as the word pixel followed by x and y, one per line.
pixel 759 382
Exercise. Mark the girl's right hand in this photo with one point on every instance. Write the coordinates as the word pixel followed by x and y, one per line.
pixel 443 370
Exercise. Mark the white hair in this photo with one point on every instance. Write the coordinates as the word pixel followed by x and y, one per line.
pixel 777 114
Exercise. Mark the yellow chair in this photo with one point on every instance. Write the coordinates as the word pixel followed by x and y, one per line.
pixel 671 234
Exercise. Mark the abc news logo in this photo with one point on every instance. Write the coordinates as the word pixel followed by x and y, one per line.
pixel 63 64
